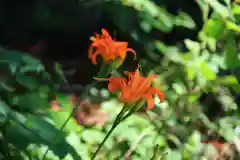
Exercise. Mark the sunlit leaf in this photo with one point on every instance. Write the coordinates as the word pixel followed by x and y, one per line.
pixel 207 72
pixel 219 8
pixel 214 28
pixel 184 20
pixel 193 46
pixel 231 53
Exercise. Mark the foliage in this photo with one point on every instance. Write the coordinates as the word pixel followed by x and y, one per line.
pixel 185 72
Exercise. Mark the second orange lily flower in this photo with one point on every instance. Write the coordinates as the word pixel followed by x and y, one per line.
pixel 108 48
pixel 134 88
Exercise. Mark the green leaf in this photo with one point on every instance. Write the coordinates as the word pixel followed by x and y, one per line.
pixel 207 72
pixel 59 72
pixel 195 139
pixel 81 148
pixel 193 46
pixel 4 109
pixel 60 117
pixel 232 26
pixel 173 155
pixel 155 15
pixel 184 20
pixel 171 52
pixel 26 81
pixel 179 88
pixel 205 8
pixel 227 129
pixel 214 28
pixel 92 136
pixel 212 43
pixel 191 72
pixel 21 60
pixel 193 97
pixel 27 129
pixel 230 52
pixel 227 80
pixel 146 26
pixel 33 101
pixel 107 69
pixel 236 9
pixel 236 87
pixel 219 8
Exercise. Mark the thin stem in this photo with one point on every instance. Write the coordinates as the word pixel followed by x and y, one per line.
pixel 155 153
pixel 77 105
pixel 62 127
pixel 134 109
pixel 115 124
pixel 103 72
pixel 104 140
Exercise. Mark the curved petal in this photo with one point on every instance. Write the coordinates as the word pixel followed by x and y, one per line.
pixel 105 34
pixel 116 83
pixel 158 92
pixel 133 52
pixel 150 100
pixel 94 57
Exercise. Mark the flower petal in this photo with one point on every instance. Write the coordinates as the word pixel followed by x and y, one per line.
pixel 116 83
pixel 132 51
pixel 150 100
pixel 158 92
pixel 94 57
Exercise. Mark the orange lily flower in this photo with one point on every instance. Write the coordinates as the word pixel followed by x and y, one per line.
pixel 108 48
pixel 134 87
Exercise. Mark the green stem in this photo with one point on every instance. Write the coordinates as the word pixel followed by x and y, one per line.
pixel 104 71
pixel 115 124
pixel 62 127
pixel 104 140
pixel 134 109
pixel 77 105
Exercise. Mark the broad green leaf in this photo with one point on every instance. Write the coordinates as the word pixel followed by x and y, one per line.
pixel 28 129
pixel 207 72
pixel 230 52
pixel 80 147
pixel 214 28
pixel 60 117
pixel 33 101
pixel 21 60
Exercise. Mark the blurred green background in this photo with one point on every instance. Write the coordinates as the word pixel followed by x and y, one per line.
pixel 192 46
